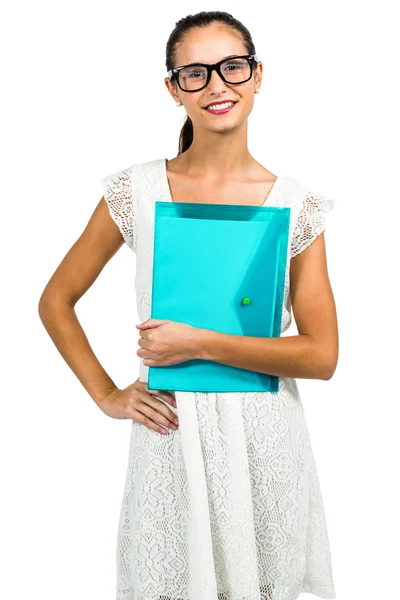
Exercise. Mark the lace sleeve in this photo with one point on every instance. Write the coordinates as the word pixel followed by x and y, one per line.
pixel 120 194
pixel 311 221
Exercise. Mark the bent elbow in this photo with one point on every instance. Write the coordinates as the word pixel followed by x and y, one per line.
pixel 329 370
pixel 327 359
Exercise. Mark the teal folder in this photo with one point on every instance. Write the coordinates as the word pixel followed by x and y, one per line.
pixel 220 267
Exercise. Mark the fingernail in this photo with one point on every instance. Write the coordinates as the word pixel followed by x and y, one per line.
pixel 176 420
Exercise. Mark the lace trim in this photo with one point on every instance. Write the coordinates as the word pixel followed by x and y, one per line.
pixel 311 221
pixel 121 198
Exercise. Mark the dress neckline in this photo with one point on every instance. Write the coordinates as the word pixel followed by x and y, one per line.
pixel 168 194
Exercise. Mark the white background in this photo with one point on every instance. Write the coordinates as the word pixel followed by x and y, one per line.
pixel 84 97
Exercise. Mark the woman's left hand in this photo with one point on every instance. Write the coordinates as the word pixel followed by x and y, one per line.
pixel 164 342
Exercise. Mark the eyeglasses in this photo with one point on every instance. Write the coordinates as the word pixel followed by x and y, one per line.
pixel 196 76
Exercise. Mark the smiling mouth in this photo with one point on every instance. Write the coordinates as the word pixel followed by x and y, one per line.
pixel 220 108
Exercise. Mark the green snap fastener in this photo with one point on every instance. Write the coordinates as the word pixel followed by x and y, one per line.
pixel 246 301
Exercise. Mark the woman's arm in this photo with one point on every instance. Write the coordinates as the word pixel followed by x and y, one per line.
pixel 73 277
pixel 313 354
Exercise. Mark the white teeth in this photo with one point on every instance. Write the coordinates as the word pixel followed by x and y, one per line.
pixel 220 106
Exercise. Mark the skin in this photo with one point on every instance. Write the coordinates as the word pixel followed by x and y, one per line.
pixel 217 167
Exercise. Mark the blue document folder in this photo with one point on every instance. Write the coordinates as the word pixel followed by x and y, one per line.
pixel 220 267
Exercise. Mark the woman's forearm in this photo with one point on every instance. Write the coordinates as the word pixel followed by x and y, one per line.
pixel 289 356
pixel 62 325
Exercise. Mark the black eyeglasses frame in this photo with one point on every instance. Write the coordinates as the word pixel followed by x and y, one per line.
pixel 252 59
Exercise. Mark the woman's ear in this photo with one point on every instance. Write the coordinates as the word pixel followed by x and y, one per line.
pixel 171 88
pixel 258 74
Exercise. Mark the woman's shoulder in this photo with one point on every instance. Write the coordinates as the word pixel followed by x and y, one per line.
pixel 121 193
pixel 299 195
pixel 136 168
pixel 309 215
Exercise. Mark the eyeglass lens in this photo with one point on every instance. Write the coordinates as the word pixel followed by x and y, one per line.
pixel 236 70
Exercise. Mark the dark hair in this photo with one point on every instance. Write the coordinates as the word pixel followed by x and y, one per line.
pixel 182 27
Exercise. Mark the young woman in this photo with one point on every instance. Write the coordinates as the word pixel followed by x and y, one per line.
pixel 225 504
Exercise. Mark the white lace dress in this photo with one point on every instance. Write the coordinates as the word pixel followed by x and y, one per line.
pixel 228 506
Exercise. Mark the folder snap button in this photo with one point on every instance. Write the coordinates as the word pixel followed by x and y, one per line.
pixel 246 301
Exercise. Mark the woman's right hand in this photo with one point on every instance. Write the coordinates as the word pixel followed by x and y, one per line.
pixel 138 402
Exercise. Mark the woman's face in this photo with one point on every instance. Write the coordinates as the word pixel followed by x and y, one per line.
pixel 210 45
